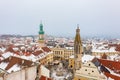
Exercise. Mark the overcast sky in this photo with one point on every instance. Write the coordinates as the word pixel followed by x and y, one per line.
pixel 60 17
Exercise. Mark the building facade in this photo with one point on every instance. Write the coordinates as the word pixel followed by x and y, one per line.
pixel 62 53
pixel 88 71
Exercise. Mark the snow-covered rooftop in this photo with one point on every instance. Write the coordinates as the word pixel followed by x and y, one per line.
pixel 103 48
pixel 14 68
pixel 7 54
pixel 87 58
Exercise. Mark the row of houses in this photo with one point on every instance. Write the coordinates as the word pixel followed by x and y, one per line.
pixel 22 62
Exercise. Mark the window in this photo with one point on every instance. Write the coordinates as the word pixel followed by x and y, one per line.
pixel 92 71
pixel 85 69
pixel 89 64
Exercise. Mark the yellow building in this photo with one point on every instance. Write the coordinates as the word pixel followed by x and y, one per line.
pixel 46 56
pixel 49 57
pixel 71 62
pixel 68 52
pixel 107 53
pixel 99 50
pixel 62 53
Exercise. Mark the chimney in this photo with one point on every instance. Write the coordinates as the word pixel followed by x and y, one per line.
pixel 22 61
pixel 10 58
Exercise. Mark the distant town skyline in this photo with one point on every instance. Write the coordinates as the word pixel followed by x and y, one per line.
pixel 60 17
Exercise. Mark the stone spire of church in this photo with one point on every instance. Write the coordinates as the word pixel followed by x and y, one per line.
pixel 77 49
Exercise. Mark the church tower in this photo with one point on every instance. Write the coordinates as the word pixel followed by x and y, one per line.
pixel 77 50
pixel 41 36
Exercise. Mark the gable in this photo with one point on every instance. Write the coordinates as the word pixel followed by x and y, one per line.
pixel 89 64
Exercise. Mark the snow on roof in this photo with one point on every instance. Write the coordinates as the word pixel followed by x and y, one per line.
pixel 22 47
pixel 18 44
pixel 32 43
pixel 34 58
pixel 117 58
pixel 3 65
pixel 14 68
pixel 15 49
pixel 86 58
pixel 69 47
pixel 14 64
pixel 113 57
pixel 7 54
pixel 1 58
pixel 2 49
pixel 50 46
pixel 31 57
pixel 103 49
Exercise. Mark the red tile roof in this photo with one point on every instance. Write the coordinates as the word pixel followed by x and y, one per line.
pixel 111 76
pixel 37 52
pixel 17 52
pixel 46 49
pixel 27 53
pixel 10 49
pixel 44 78
pixel 15 60
pixel 118 48
pixel 113 65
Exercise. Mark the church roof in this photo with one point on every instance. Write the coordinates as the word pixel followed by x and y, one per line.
pixel 113 65
pixel 77 37
pixel 41 29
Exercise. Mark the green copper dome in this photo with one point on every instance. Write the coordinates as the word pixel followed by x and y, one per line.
pixel 41 29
